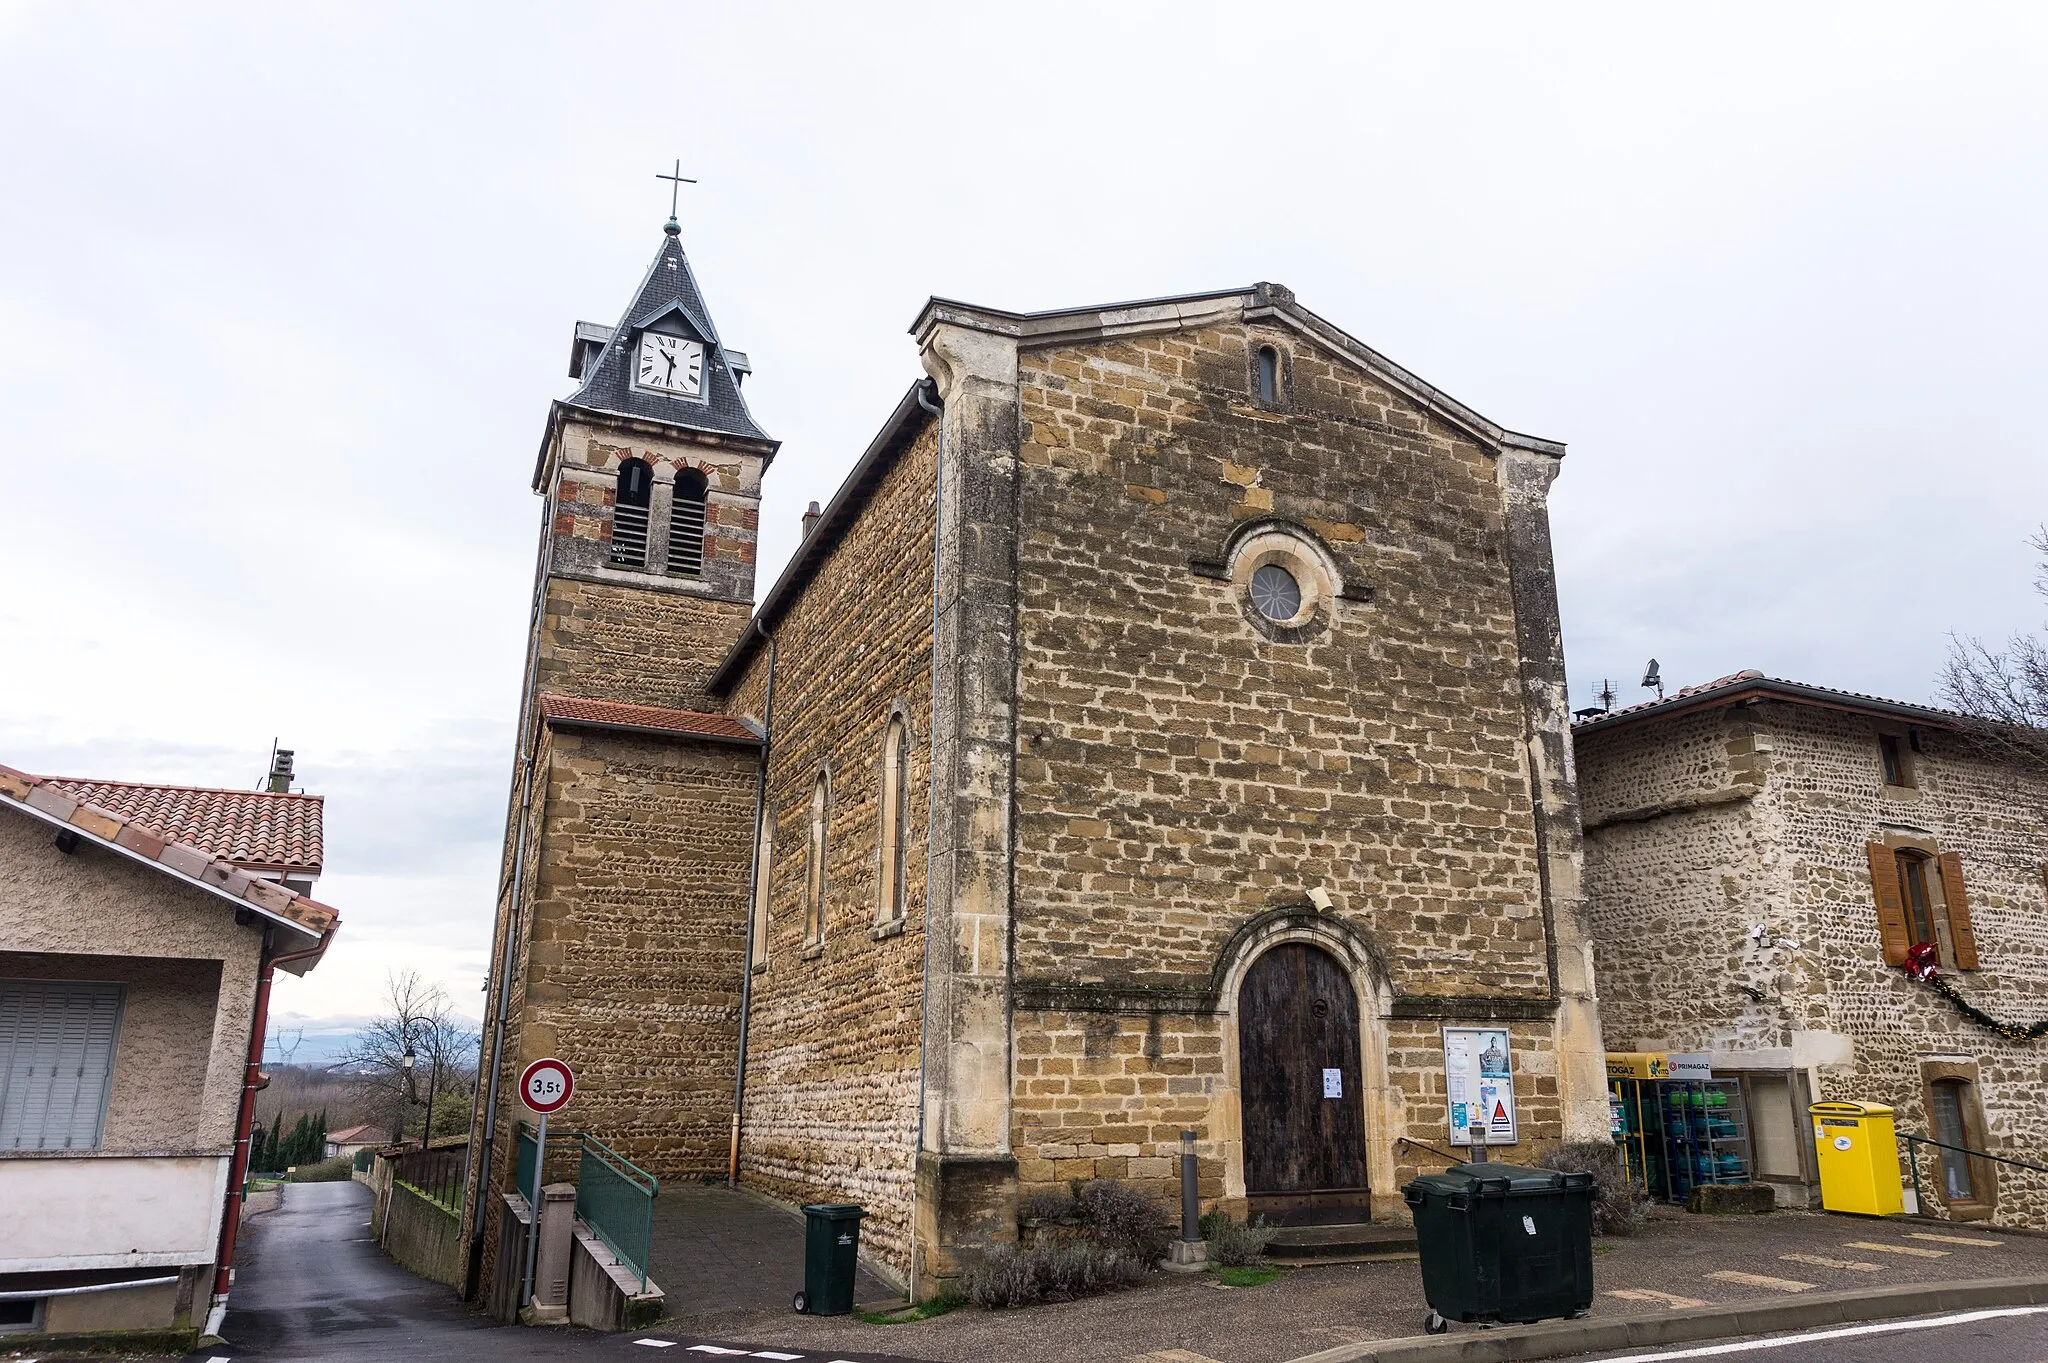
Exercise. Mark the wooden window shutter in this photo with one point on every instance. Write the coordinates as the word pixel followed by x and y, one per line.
pixel 1892 934
pixel 1958 901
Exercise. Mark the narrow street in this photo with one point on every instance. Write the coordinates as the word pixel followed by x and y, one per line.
pixel 314 1285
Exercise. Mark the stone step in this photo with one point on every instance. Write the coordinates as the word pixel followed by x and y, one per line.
pixel 1361 1239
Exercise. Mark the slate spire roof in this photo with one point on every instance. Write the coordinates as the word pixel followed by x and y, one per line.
pixel 669 295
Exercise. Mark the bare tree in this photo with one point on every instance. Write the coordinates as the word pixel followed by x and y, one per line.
pixel 420 1021
pixel 2006 692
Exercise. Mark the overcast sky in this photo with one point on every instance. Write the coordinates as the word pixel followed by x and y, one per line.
pixel 285 290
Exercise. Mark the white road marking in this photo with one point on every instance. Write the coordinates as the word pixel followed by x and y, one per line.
pixel 1953 1239
pixel 769 1353
pixel 714 1349
pixel 1913 1250
pixel 657 1343
pixel 1822 1261
pixel 1661 1298
pixel 1845 1332
pixel 1729 1275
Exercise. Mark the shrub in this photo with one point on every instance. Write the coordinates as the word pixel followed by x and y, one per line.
pixel 326 1171
pixel 1045 1206
pixel 1053 1271
pixel 1233 1244
pixel 1619 1206
pixel 1123 1220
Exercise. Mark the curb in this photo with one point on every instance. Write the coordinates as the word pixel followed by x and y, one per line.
pixel 1804 1312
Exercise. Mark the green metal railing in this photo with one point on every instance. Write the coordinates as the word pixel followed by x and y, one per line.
pixel 614 1196
pixel 1913 1144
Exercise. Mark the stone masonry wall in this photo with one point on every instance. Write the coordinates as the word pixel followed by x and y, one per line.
pixel 1182 768
pixel 646 637
pixel 633 969
pixel 1106 1096
pixel 1178 771
pixel 1675 821
pixel 1677 896
pixel 834 1042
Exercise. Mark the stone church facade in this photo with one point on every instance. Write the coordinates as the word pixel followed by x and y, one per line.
pixel 1163 728
pixel 1762 855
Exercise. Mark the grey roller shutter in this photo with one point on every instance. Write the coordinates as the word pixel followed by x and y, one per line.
pixel 56 1059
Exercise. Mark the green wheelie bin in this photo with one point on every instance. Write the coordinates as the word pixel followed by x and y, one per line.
pixel 831 1258
pixel 1503 1243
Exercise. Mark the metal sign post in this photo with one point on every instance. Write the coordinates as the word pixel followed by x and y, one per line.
pixel 545 1086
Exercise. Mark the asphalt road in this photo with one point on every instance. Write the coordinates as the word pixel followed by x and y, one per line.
pixel 2015 1334
pixel 314 1285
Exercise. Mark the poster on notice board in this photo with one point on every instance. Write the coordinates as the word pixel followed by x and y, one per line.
pixel 1480 1083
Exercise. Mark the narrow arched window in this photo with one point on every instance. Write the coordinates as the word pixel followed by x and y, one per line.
pixel 686 525
pixel 894 820
pixel 629 513
pixel 814 865
pixel 1269 374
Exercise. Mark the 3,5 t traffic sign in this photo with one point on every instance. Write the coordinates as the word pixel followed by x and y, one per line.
pixel 546 1086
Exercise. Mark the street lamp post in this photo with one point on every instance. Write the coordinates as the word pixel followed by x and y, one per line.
pixel 433 1079
pixel 405 1063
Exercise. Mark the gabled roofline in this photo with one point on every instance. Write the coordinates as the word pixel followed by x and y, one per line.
pixel 208 873
pixel 561 409
pixel 902 426
pixel 1744 687
pixel 1261 302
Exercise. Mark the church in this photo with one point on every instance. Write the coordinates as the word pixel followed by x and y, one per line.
pixel 1162 728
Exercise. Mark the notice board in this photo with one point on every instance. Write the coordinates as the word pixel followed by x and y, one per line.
pixel 1479 1079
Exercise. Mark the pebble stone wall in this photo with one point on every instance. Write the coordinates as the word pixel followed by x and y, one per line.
pixel 834 1041
pixel 1702 828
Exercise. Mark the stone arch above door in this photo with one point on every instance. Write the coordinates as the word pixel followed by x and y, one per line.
pixel 1364 964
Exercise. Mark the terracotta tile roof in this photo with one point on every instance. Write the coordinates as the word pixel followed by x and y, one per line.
pixel 1751 683
pixel 612 714
pixel 367 1134
pixel 254 829
pixel 49 802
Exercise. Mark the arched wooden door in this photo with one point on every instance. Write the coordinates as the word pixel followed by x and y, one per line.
pixel 1300 1085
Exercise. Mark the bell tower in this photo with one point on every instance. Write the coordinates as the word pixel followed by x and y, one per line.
pixel 651 471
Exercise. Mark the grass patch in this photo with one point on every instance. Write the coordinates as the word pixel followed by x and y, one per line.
pixel 1245 1277
pixel 904 1315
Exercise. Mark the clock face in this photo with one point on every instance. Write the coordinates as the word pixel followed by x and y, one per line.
pixel 670 364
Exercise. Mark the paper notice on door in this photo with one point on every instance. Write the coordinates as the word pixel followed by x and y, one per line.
pixel 1333 1083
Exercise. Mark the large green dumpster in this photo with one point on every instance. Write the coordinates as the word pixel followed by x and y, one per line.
pixel 831 1258
pixel 1501 1242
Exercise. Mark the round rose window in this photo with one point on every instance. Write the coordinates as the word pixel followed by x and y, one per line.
pixel 1275 593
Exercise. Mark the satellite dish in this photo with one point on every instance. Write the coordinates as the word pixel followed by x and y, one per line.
pixel 1651 678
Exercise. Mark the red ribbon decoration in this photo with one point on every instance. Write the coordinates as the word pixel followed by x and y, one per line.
pixel 1921 961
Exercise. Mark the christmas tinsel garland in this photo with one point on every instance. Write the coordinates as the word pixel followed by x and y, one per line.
pixel 1920 965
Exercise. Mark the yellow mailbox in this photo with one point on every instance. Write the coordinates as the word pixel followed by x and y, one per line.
pixel 1859 1158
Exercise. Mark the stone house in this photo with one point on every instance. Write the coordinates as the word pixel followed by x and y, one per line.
pixel 1162 728
pixel 140 928
pixel 1762 856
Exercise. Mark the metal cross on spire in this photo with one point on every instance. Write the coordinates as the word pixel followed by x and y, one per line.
pixel 677 181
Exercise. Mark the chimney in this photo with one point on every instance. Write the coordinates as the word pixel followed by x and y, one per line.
pixel 811 518
pixel 281 771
